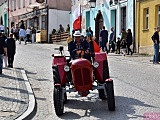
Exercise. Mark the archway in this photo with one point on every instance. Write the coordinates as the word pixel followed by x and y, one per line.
pixel 98 24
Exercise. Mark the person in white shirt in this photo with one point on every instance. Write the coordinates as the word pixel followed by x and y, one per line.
pixel 1 28
pixel 28 34
pixel 22 35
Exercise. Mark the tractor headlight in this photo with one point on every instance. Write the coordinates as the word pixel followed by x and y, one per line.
pixel 96 64
pixel 66 68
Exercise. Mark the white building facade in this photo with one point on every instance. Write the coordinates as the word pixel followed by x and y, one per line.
pixel 109 13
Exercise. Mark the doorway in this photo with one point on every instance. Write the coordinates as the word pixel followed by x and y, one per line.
pixel 113 20
pixel 98 24
pixel 123 18
pixel 87 19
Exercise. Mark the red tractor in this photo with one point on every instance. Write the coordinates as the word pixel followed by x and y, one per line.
pixel 78 76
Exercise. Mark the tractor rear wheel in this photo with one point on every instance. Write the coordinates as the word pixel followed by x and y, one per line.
pixel 110 95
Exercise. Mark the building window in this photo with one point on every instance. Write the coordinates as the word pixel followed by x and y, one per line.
pixel 146 18
pixel 14 5
pixel 30 1
pixel 23 3
pixel 19 4
pixel 11 8
pixel 158 15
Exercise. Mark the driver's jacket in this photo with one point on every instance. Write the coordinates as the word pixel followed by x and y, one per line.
pixel 73 47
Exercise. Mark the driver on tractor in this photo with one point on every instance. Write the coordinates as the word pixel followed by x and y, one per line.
pixel 79 47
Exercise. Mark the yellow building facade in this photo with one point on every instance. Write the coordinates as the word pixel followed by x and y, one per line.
pixel 147 19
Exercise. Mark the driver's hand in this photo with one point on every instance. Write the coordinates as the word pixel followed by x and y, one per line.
pixel 79 51
pixel 87 52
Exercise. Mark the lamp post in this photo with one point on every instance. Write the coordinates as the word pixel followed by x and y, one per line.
pixel 92 3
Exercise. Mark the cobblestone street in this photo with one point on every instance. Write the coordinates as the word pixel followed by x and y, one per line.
pixel 136 83
pixel 13 94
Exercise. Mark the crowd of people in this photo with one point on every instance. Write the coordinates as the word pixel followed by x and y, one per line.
pixel 8 44
pixel 107 41
pixel 22 34
pixel 118 45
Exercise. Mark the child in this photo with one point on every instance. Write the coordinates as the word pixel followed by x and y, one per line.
pixel 118 45
pixel 123 46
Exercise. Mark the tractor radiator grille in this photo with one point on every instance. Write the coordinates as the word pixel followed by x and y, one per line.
pixel 86 76
pixel 78 77
pixel 82 76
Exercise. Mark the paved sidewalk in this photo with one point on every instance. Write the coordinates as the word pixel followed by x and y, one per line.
pixel 15 95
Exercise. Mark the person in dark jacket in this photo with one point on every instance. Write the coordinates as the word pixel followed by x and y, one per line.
pixel 3 49
pixel 129 41
pixel 155 39
pixel 104 39
pixel 79 47
pixel 11 50
pixel 22 25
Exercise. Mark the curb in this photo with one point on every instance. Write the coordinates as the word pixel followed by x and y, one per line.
pixel 32 107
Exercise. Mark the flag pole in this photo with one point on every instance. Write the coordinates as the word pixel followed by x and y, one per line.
pixel 80 18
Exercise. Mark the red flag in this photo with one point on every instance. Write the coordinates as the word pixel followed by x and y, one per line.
pixel 77 18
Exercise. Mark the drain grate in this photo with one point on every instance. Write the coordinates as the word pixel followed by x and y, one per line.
pixel 36 89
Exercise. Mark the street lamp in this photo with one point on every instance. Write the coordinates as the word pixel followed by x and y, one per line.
pixel 92 3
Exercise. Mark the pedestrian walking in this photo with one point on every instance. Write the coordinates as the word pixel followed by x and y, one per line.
pixel 33 34
pixel 3 49
pixel 112 40
pixel 90 30
pixel 104 39
pixel 22 35
pixel 88 35
pixel 118 45
pixel 1 28
pixel 28 34
pixel 16 32
pixel 11 50
pixel 4 36
pixel 123 47
pixel 22 25
pixel 129 41
pixel 123 34
pixel 5 58
pixel 155 39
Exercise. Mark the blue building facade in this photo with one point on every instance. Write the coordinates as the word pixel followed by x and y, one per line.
pixel 4 14
pixel 109 13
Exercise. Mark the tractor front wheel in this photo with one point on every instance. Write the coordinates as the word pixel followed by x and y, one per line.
pixel 58 101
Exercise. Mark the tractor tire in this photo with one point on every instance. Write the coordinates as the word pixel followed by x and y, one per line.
pixel 101 94
pixel 58 102
pixel 56 76
pixel 110 96
pixel 65 98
